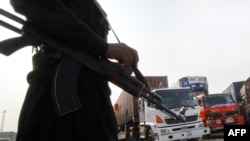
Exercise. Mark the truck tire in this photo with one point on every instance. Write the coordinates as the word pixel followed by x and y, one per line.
pixel 247 122
pixel 149 135
pixel 133 134
pixel 205 137
pixel 248 119
pixel 132 137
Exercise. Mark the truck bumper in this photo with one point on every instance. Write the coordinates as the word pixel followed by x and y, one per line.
pixel 185 134
pixel 218 124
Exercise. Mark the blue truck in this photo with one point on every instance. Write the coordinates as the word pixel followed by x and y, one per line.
pixel 198 83
pixel 234 89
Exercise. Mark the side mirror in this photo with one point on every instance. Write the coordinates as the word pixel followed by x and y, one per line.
pixel 244 100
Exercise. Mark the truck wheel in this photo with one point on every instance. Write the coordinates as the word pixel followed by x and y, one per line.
pixel 150 135
pixel 247 122
pixel 248 119
pixel 133 136
pixel 205 137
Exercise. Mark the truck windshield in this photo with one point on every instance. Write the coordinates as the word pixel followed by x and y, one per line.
pixel 218 100
pixel 177 98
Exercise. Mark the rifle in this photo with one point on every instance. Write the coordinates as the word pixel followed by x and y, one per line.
pixel 31 36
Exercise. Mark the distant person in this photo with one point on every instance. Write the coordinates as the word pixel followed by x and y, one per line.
pixel 80 25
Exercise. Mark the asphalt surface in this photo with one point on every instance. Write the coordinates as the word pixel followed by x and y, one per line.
pixel 219 136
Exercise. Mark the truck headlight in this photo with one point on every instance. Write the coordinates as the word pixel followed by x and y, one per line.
pixel 165 131
pixel 201 125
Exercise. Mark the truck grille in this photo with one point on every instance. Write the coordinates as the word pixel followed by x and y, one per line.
pixel 188 119
pixel 183 128
pixel 222 114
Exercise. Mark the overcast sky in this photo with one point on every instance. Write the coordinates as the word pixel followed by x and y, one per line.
pixel 174 38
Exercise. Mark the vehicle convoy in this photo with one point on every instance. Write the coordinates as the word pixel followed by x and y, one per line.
pixel 139 120
pixel 218 110
pixel 214 115
pixel 240 90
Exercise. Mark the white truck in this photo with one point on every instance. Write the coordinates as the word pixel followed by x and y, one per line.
pixel 139 120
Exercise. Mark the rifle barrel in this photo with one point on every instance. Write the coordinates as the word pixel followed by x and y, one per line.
pixel 11 27
pixel 12 16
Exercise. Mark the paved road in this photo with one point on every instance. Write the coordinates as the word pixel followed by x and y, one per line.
pixel 214 137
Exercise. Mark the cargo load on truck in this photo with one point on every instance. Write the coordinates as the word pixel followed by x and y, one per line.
pixel 240 91
pixel 155 82
pixel 245 106
pixel 198 83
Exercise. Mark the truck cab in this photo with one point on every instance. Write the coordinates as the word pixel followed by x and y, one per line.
pixel 139 119
pixel 175 99
pixel 183 102
pixel 218 110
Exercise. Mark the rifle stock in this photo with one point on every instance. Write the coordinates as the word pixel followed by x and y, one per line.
pixel 9 46
pixel 105 68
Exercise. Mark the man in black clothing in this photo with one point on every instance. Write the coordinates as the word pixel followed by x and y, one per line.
pixel 80 25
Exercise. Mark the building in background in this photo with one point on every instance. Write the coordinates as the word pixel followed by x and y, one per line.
pixel 7 136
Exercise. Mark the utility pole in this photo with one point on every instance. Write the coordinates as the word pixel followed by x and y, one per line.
pixel 4 112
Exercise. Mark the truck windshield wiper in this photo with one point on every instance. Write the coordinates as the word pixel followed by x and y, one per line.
pixel 189 106
pixel 176 106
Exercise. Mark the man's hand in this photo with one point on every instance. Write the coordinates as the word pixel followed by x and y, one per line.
pixel 124 54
